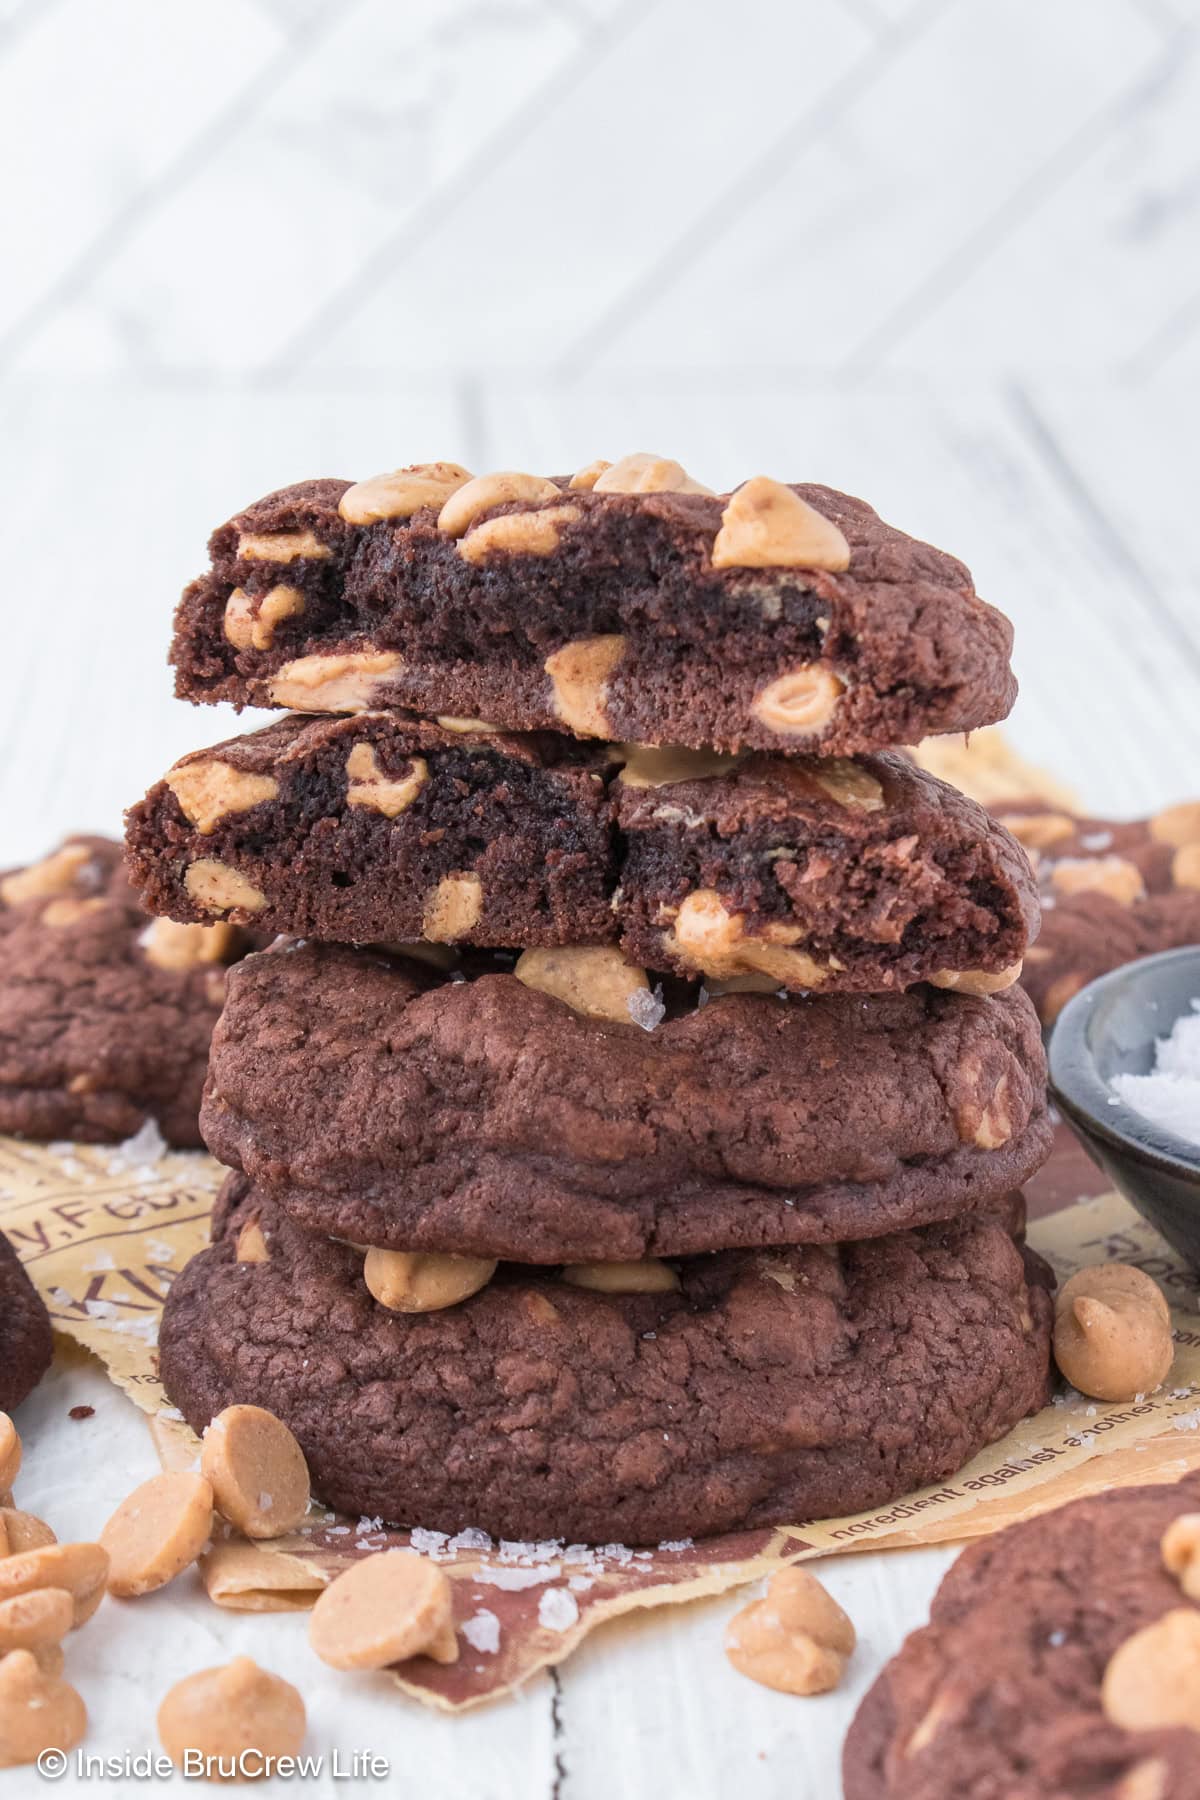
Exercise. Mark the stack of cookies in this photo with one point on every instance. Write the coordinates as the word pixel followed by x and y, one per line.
pixel 626 1124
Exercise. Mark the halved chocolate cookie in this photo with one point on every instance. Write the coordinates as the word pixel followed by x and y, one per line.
pixel 26 1341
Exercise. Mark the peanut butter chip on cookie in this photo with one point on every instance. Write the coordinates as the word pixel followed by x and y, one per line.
pixel 486 492
pixel 383 1610
pixel 248 629
pixel 55 874
pixel 1185 866
pixel 1114 876
pixel 1152 1681
pixel 82 1569
pixel 596 981
pixel 159 1530
pixel 209 791
pixel 281 546
pixel 583 480
pixel 647 1277
pixel 370 787
pixel 257 1471
pixel 10 1453
pixel 251 1244
pixel 412 1282
pixel 517 534
pixel 976 981
pixel 1181 1552
pixel 579 675
pixel 37 1711
pixel 1178 825
pixel 767 526
pixel 348 681
pixel 1039 831
pixel 231 1713
pixel 218 887
pixel 1112 1332
pixel 662 765
pixel 800 703
pixel 643 473
pixel 169 945
pixel 61 913
pixel 402 493
pixel 710 939
pixel 796 1639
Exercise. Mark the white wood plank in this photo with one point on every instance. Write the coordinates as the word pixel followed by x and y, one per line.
pixel 800 269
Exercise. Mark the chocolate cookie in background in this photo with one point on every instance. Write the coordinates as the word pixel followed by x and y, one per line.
pixel 527 1115
pixel 620 1403
pixel 105 1015
pixel 626 601
pixel 851 876
pixel 26 1341
pixel 1112 891
pixel 1061 1662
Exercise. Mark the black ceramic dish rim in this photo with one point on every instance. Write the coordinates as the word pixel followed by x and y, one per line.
pixel 1079 1090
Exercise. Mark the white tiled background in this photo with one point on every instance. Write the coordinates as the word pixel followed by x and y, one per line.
pixel 945 253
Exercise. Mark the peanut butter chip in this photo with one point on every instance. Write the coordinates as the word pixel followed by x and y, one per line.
pixel 370 787
pixel 1185 866
pixel 517 534
pixel 402 493
pixel 654 765
pixel 247 629
pixel 169 945
pixel 598 982
pixel 648 1277
pixel 579 674
pixel 32 1620
pixel 343 683
pixel 383 1610
pixel 37 1711
pixel 252 1245
pixel 82 1569
pixel 1039 831
pixel 1112 1332
pixel 486 492
pixel 257 1471
pixel 847 783
pixel 976 981
pixel 994 1125
pixel 713 941
pixel 22 1531
pixel 1181 1552
pixel 61 913
pixel 800 703
pixel 586 478
pixel 796 1639
pixel 281 546
pixel 1152 1681
pixel 10 1453
pixel 217 887
pixel 453 908
pixel 466 727
pixel 767 526
pixel 55 874
pixel 1112 875
pixel 1178 825
pixel 232 1712
pixel 158 1531
pixel 642 473
pixel 209 791
pixel 411 1282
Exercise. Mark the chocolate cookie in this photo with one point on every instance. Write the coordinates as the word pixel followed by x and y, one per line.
pixel 384 1104
pixel 754 1388
pixel 384 828
pixel 1112 891
pixel 852 876
pixel 26 1342
pixel 105 1015
pixel 626 602
pixel 1001 1693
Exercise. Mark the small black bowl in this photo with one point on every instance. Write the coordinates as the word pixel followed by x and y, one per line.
pixel 1109 1029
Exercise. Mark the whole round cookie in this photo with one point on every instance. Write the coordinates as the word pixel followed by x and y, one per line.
pixel 1004 1693
pixel 105 1015
pixel 381 1102
pixel 753 1388
pixel 26 1341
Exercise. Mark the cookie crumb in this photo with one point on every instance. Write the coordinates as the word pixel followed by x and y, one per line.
pixel 82 1412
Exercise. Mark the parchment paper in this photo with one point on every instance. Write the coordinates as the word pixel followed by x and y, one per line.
pixel 103 1233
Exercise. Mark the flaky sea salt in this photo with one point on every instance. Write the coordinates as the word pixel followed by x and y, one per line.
pixel 144 1148
pixel 1170 1095
pixel 647 1009
pixel 557 1609
pixel 482 1631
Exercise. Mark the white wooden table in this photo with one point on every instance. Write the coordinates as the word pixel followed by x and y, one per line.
pixel 1076 508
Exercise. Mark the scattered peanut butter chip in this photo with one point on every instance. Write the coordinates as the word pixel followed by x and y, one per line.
pixel 466 727
pixel 10 1453
pixel 796 1639
pixel 385 1609
pixel 56 874
pixel 1152 1681
pixel 156 1532
pixel 257 1471
pixel 767 526
pixel 595 980
pixel 82 1569
pixel 37 1711
pixel 230 1711
pixel 976 981
pixel 647 1277
pixel 43 1616
pixel 1177 825
pixel 22 1531
pixel 413 1281
pixel 1113 876
pixel 800 702
pixel 68 911
pixel 1112 1332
